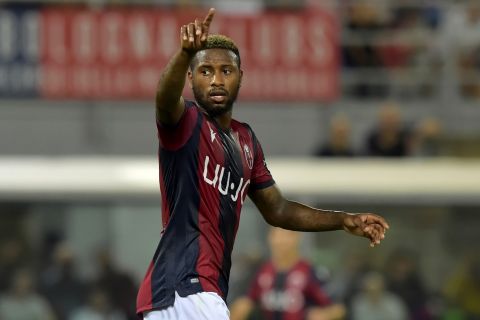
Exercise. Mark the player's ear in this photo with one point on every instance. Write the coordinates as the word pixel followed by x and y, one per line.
pixel 190 78
pixel 241 77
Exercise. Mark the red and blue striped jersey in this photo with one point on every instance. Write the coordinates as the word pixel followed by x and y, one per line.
pixel 287 295
pixel 205 174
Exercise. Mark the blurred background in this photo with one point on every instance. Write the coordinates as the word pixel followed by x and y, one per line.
pixel 360 105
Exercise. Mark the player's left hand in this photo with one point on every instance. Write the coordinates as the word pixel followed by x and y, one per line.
pixel 366 225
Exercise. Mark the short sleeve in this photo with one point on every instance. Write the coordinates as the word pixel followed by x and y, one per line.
pixel 261 177
pixel 174 137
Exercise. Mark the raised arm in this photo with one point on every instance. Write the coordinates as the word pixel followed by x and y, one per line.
pixel 291 215
pixel 169 101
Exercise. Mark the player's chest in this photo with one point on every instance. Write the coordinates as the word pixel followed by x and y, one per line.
pixel 226 162
pixel 231 150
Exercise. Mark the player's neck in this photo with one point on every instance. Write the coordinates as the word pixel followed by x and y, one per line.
pixel 224 121
pixel 285 262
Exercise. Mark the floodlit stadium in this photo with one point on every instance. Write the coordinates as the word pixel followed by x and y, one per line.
pixel 363 106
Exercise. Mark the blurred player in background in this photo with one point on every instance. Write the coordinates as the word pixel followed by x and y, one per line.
pixel 286 287
pixel 209 163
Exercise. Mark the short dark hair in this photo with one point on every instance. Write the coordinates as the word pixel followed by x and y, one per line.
pixel 219 41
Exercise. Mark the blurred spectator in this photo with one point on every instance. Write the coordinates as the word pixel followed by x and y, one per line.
pixel 362 25
pixel 408 14
pixel 338 144
pixel 60 284
pixel 97 308
pixel 470 51
pixel 12 256
pixel 463 288
pixel 375 303
pixel 390 138
pixel 21 302
pixel 403 279
pixel 465 48
pixel 346 281
pixel 427 139
pixel 404 23
pixel 119 286
pixel 286 286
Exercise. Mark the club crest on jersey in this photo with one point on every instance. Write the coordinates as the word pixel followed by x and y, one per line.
pixel 248 156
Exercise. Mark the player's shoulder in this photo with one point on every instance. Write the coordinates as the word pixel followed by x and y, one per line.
pixel 239 124
pixel 191 104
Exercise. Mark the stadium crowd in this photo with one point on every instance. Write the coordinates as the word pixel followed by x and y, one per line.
pixel 46 285
pixel 391 137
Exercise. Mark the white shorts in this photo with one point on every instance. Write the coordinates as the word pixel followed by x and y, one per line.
pixel 198 306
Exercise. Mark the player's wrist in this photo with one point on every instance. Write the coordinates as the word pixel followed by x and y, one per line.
pixel 188 52
pixel 346 219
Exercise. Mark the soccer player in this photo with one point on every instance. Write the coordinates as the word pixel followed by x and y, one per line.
pixel 286 287
pixel 209 163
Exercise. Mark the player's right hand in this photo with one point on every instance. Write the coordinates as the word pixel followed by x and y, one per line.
pixel 366 225
pixel 193 36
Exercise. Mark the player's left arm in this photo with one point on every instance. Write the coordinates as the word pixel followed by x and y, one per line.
pixel 281 212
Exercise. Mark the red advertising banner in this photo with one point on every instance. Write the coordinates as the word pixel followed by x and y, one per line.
pixel 119 53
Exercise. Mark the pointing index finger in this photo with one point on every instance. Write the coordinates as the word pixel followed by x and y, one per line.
pixel 209 17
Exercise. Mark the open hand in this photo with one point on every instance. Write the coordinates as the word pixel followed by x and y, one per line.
pixel 366 225
pixel 194 35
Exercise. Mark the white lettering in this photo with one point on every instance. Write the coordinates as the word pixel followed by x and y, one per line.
pixel 242 194
pixel 239 32
pixel 30 35
pixel 140 38
pixel 222 190
pixel 264 42
pixel 224 187
pixel 110 39
pixel 56 31
pixel 321 53
pixel 235 197
pixel 167 29
pixel 83 30
pixel 292 41
pixel 213 181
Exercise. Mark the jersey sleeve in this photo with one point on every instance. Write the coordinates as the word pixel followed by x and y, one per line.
pixel 173 137
pixel 314 292
pixel 261 177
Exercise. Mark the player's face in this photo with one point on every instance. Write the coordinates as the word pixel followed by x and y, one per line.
pixel 283 242
pixel 215 80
